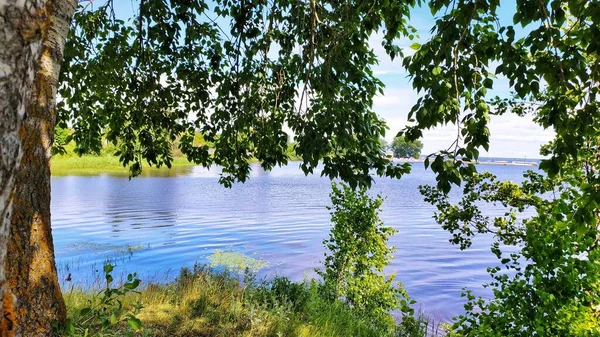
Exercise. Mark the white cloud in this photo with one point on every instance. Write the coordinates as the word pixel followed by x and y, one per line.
pixel 395 98
pixel 386 65
pixel 511 136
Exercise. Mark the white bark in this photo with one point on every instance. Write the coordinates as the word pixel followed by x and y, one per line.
pixel 31 271
pixel 21 24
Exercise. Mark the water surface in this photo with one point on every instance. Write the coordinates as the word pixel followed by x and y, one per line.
pixel 156 225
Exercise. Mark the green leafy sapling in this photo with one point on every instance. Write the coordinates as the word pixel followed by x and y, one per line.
pixel 358 252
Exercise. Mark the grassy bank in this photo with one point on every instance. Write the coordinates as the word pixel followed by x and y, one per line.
pixel 69 163
pixel 104 164
pixel 201 302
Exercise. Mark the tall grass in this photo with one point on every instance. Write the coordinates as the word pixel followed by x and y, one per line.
pixel 202 302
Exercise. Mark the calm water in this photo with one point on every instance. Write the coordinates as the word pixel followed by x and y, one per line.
pixel 279 216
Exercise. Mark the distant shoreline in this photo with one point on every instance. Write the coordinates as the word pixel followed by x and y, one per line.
pixel 107 164
pixel 495 162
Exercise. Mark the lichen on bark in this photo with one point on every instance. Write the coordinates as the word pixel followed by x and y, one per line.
pixel 31 44
pixel 20 48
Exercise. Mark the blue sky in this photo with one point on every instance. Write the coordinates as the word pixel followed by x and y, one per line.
pixel 511 136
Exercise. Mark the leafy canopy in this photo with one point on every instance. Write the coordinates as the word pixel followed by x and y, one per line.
pixel 240 73
pixel 547 281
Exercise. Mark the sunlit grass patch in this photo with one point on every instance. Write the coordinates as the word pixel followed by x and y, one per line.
pixel 107 164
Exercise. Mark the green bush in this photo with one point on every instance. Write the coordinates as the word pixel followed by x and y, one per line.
pixel 358 253
pixel 62 137
pixel 546 280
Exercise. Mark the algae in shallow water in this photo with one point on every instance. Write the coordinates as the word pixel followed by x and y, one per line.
pixel 103 247
pixel 236 261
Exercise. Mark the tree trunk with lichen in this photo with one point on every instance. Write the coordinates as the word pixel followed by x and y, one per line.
pixel 20 49
pixel 30 263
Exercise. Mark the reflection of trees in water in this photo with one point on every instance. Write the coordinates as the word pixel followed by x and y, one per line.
pixel 142 203
pixel 127 219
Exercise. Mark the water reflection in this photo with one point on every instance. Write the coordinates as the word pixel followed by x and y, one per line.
pixel 125 211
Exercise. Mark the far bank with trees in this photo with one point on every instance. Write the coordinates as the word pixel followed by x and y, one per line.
pixel 406 149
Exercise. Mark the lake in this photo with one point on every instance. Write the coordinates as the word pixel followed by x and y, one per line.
pixel 156 225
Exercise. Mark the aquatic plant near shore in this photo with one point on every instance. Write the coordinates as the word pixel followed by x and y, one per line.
pixel 236 261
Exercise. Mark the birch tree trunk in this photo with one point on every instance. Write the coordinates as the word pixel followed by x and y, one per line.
pixel 20 48
pixel 32 276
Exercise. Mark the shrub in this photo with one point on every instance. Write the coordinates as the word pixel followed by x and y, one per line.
pixel 358 253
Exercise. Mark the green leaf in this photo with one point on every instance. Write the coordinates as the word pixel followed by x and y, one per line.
pixel 113 319
pixel 108 268
pixel 488 83
pixel 415 46
pixel 132 285
pixel 134 323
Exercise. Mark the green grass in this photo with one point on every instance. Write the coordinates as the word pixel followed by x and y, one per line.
pixel 107 164
pixel 201 302
pixel 69 163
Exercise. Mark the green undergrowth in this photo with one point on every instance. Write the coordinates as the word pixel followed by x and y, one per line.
pixel 203 302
